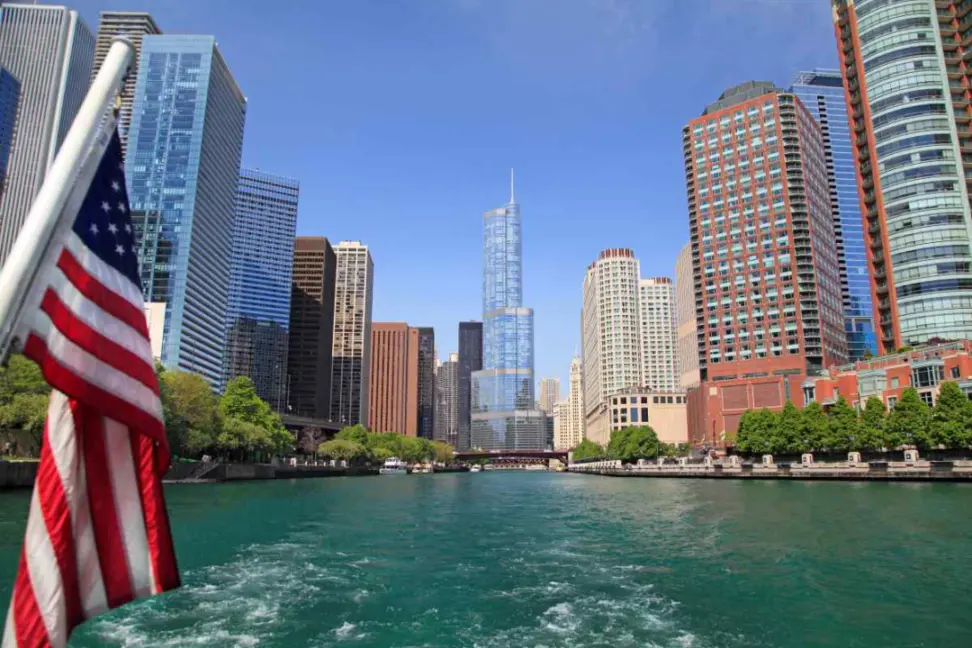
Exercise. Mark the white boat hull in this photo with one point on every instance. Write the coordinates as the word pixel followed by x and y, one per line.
pixel 392 471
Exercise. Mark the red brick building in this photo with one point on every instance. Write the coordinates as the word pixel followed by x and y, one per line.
pixel 394 405
pixel 924 368
pixel 764 255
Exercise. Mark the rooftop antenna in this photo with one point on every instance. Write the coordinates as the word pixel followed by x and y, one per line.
pixel 512 200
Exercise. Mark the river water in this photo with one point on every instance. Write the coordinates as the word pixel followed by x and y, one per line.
pixel 527 559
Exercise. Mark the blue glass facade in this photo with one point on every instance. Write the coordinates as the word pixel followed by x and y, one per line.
pixel 182 170
pixel 258 310
pixel 9 94
pixel 822 92
pixel 502 399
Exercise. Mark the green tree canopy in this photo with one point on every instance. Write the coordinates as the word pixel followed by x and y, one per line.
pixel 23 404
pixel 633 443
pixel 951 418
pixel 190 407
pixel 813 428
pixel 843 428
pixel 357 433
pixel 443 451
pixel 588 449
pixel 909 421
pixel 758 431
pixel 240 400
pixel 343 450
pixel 873 420
pixel 787 437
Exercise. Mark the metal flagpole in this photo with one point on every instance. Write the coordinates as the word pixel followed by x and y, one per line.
pixel 21 266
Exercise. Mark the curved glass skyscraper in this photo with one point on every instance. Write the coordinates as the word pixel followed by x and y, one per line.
pixel 503 404
pixel 907 76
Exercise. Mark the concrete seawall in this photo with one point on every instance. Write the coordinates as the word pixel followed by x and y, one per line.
pixel 17 474
pixel 949 471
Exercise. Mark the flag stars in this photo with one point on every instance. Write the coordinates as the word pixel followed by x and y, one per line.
pixel 113 228
pixel 120 250
pixel 105 207
pixel 128 228
pixel 93 229
pixel 121 207
pixel 115 186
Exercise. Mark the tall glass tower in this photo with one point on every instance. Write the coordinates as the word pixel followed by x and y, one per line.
pixel 182 169
pixel 258 311
pixel 822 93
pixel 503 404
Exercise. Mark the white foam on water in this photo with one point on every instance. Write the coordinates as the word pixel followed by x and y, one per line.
pixel 360 595
pixel 561 619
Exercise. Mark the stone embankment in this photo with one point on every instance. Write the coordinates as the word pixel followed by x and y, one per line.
pixel 912 468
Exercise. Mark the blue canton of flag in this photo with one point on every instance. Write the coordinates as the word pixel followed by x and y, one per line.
pixel 104 222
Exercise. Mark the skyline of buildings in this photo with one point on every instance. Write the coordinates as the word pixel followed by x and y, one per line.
pixel 49 50
pixel 816 212
pixel 447 401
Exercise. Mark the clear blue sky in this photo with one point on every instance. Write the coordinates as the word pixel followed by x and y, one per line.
pixel 401 119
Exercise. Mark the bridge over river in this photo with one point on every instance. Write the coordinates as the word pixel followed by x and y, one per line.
pixel 506 455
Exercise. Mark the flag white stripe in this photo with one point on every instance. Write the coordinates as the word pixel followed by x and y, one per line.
pixel 68 458
pixel 93 370
pixel 9 631
pixel 128 505
pixel 108 276
pixel 100 320
pixel 45 577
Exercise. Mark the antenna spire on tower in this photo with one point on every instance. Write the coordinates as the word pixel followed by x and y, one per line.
pixel 512 199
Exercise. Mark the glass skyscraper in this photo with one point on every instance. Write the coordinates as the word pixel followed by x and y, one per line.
pixel 503 402
pixel 258 312
pixel 822 93
pixel 9 95
pixel 182 170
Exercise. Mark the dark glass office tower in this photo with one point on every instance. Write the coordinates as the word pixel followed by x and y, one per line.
pixel 470 360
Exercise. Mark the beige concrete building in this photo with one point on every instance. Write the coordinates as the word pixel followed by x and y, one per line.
pixel 659 355
pixel 549 394
pixel 155 316
pixel 665 412
pixel 351 358
pixel 686 329
pixel 569 428
pixel 611 335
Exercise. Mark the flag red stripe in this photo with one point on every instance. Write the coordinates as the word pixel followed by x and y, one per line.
pixel 28 622
pixel 109 352
pixel 157 531
pixel 107 299
pixel 74 386
pixel 60 529
pixel 104 516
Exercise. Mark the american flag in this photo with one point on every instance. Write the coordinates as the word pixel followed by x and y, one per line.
pixel 98 531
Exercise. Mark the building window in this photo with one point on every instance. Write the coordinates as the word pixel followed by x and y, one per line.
pixel 928 398
pixel 894 383
pixel 926 375
pixel 644 414
pixel 892 401
pixel 809 394
pixel 955 372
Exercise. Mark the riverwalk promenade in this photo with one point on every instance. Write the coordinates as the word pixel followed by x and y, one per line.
pixel 912 468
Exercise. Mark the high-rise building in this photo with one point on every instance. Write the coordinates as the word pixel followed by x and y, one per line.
pixel 906 75
pixel 182 169
pixel 351 357
pixel 766 273
pixel 560 441
pixel 822 93
pixel 258 310
pixel 394 378
pixel 611 335
pixel 470 360
pixel 575 420
pixel 686 329
pixel 549 394
pixel 311 327
pixel 447 399
pixel 428 360
pixel 503 414
pixel 659 355
pixel 133 25
pixel 9 96
pixel 49 50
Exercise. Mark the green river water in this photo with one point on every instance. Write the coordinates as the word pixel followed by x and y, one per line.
pixel 545 559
